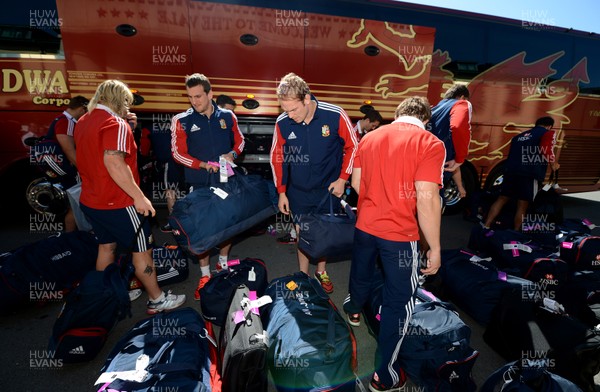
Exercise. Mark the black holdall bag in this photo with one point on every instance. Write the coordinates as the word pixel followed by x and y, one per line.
pixel 514 377
pixel 581 251
pixel 217 292
pixel 90 313
pixel 328 234
pixel 170 351
pixel 45 270
pixel 243 344
pixel 171 263
pixel 92 310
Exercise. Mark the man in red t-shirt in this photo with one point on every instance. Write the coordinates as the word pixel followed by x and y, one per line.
pixel 397 175
pixel 110 193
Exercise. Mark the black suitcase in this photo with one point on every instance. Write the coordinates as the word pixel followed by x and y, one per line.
pixel 243 346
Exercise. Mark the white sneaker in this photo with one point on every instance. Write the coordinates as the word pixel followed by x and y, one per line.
pixel 166 301
pixel 134 294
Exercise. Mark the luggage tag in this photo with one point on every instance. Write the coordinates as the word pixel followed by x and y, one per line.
pixel 208 337
pixel 547 187
pixel 230 166
pixel 219 192
pixel 137 375
pixel 223 169
pixel 588 223
pixel 231 263
pixel 552 306
pixel 515 247
pixel 476 258
pixel 251 275
pixel 250 304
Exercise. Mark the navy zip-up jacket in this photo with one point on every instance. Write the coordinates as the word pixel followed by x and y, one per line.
pixel 451 123
pixel 196 138
pixel 312 156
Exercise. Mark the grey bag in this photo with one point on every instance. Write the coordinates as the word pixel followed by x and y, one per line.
pixel 73 193
pixel 243 344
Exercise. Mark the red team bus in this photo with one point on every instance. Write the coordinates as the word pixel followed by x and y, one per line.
pixel 352 53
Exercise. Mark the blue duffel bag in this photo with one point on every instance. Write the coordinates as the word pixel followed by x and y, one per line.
pixel 311 348
pixel 328 234
pixel 435 351
pixel 513 377
pixel 475 285
pixel 169 351
pixel 216 213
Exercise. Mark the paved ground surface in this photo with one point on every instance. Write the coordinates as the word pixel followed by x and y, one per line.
pixel 27 331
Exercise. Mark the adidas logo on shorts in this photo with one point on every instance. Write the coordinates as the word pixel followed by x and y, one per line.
pixel 77 350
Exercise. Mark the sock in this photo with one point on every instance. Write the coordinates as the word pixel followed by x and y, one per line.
pixel 160 297
pixel 205 270
pixel 223 261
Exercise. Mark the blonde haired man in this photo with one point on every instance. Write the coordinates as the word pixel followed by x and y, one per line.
pixel 312 153
pixel 110 193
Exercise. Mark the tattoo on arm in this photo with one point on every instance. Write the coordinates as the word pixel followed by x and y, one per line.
pixel 149 270
pixel 114 152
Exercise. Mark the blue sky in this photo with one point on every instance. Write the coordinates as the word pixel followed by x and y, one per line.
pixel 578 14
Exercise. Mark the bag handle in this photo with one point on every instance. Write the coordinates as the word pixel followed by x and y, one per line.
pixel 346 206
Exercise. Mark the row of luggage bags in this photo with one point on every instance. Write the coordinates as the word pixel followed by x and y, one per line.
pixel 429 372
pixel 47 270
pixel 537 293
pixel 291 329
pixel 288 328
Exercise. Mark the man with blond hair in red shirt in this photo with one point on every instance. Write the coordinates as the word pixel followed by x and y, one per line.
pixel 110 193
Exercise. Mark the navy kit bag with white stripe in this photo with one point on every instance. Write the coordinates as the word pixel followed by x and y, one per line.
pixel 167 352
pixel 218 212
pixel 435 352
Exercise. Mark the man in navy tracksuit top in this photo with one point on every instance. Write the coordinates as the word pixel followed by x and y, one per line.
pixel 202 134
pixel 451 123
pixel 312 154
pixel 525 168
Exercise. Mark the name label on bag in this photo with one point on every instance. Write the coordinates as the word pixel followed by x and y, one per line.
pixel 219 192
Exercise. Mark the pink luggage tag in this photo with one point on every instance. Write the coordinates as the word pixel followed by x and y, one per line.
pixel 231 263
pixel 567 245
pixel 229 168
pixel 250 305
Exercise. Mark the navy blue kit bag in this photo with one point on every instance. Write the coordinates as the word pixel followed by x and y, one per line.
pixel 328 234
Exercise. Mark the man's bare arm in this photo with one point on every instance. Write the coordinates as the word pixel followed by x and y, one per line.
pixel 429 214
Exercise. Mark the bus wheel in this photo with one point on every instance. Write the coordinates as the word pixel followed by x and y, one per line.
pixel 452 200
pixel 494 179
